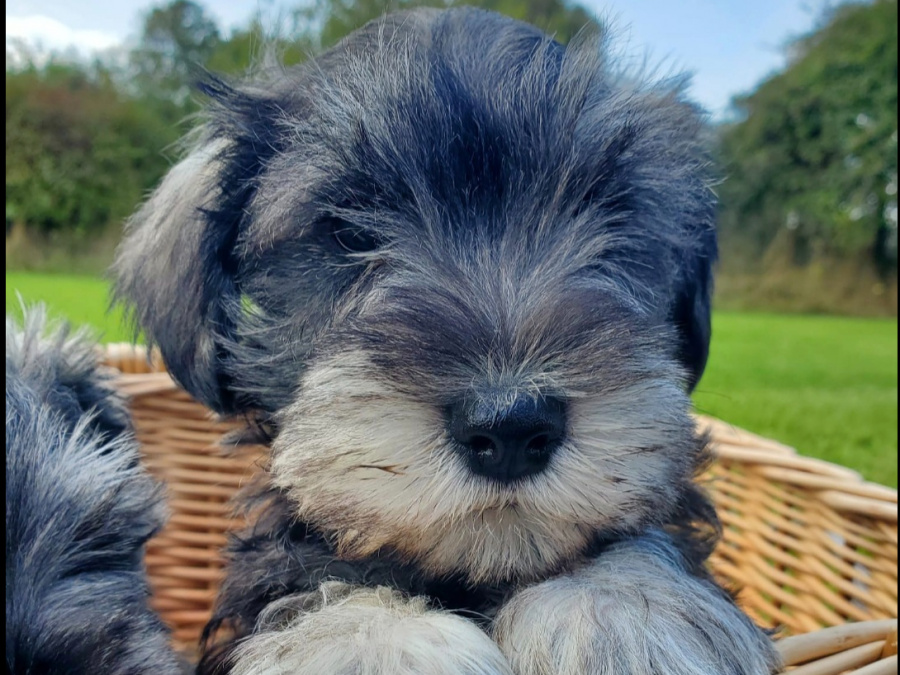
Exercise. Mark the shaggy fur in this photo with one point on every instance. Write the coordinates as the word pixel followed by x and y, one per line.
pixel 346 629
pixel 78 511
pixel 447 209
pixel 632 610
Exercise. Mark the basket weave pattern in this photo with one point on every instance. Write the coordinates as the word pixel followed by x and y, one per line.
pixel 811 545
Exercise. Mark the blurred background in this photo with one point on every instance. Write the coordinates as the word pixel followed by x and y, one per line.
pixel 802 103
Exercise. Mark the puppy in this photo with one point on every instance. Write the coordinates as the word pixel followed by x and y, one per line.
pixel 78 512
pixel 459 276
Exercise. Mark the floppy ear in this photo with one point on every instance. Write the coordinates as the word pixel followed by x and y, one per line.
pixel 692 307
pixel 176 268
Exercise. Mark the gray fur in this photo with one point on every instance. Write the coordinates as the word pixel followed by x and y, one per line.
pixel 78 511
pixel 530 221
pixel 634 610
pixel 61 369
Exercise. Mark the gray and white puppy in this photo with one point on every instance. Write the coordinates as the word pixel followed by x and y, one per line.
pixel 79 509
pixel 460 275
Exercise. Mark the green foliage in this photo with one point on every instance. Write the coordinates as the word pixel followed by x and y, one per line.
pixel 85 142
pixel 176 38
pixel 79 154
pixel 825 385
pixel 337 18
pixel 245 47
pixel 559 18
pixel 815 154
pixel 80 300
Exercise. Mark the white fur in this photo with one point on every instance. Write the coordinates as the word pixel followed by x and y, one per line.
pixel 633 611
pixel 189 187
pixel 375 468
pixel 345 630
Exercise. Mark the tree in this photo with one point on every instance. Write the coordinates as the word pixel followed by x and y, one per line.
pixel 246 46
pixel 327 21
pixel 561 19
pixel 176 38
pixel 814 155
pixel 85 142
pixel 79 154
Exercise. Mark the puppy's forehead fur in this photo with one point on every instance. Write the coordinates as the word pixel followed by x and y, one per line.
pixel 443 130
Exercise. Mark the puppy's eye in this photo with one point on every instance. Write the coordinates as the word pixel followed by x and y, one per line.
pixel 352 238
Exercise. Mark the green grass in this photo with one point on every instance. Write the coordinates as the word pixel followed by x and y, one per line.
pixel 826 385
pixel 80 300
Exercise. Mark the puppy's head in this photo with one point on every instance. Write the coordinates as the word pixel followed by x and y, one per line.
pixel 463 269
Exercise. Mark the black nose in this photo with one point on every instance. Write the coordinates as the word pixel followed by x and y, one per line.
pixel 511 443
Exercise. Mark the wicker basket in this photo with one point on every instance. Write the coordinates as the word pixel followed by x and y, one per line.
pixel 812 545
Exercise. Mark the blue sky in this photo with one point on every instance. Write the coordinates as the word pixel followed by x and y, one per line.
pixel 729 45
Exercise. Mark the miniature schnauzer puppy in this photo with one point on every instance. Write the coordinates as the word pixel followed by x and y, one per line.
pixel 459 276
pixel 79 509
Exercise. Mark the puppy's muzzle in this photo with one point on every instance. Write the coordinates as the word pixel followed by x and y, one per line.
pixel 508 442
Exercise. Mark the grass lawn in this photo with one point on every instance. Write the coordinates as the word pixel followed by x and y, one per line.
pixel 826 385
pixel 80 300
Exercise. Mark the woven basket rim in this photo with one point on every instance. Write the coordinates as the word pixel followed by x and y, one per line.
pixel 840 487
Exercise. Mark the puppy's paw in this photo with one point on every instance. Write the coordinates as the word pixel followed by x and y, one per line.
pixel 346 630
pixel 633 611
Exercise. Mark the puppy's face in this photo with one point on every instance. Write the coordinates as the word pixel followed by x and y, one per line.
pixel 465 273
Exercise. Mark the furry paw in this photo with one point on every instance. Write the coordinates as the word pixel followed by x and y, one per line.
pixel 346 630
pixel 633 611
